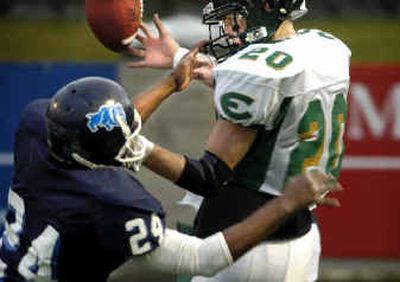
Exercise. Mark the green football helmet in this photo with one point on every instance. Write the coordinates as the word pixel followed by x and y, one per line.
pixel 261 23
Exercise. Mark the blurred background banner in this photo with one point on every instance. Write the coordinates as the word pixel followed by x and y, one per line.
pixel 368 223
pixel 20 83
pixel 47 43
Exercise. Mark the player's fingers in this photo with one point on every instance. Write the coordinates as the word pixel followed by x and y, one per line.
pixel 205 75
pixel 136 52
pixel 330 202
pixel 146 30
pixel 140 38
pixel 199 74
pixel 338 187
pixel 200 62
pixel 196 49
pixel 322 183
pixel 162 31
pixel 331 185
pixel 202 71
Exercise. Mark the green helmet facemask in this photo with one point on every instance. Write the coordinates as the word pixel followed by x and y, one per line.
pixel 261 22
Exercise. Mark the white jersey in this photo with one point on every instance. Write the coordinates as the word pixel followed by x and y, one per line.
pixel 295 92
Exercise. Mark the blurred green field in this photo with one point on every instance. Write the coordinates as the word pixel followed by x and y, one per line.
pixel 375 41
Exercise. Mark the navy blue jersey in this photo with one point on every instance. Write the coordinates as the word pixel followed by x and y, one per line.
pixel 71 224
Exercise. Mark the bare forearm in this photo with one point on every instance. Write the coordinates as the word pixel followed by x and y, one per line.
pixel 151 99
pixel 166 163
pixel 254 229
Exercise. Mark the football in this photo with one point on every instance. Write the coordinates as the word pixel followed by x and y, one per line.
pixel 115 23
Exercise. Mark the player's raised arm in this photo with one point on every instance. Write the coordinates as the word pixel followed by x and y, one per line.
pixel 163 51
pixel 226 146
pixel 147 102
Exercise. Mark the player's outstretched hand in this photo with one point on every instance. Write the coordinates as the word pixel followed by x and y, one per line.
pixel 158 51
pixel 312 189
pixel 183 73
pixel 204 70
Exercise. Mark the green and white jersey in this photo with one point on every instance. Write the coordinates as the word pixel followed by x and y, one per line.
pixel 295 92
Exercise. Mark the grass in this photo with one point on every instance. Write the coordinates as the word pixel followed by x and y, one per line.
pixel 371 41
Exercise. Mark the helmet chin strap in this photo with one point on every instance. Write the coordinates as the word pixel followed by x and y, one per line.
pixel 133 152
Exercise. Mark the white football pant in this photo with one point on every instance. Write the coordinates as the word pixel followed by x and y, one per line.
pixel 280 261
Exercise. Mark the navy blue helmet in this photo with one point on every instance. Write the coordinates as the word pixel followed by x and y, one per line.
pixel 90 121
pixel 263 17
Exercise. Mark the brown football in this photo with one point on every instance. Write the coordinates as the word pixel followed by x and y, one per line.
pixel 114 22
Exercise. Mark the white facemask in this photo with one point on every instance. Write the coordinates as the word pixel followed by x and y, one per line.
pixel 133 152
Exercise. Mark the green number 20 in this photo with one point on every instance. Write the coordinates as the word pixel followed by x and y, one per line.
pixel 278 60
pixel 311 132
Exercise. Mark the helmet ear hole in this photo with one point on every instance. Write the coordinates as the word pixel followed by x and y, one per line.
pixel 61 141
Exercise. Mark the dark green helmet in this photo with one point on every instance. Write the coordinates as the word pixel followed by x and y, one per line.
pixel 263 17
